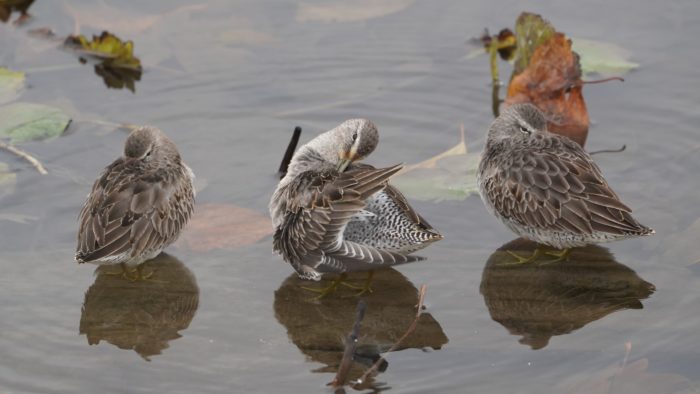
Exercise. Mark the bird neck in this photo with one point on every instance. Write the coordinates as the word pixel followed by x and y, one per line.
pixel 308 158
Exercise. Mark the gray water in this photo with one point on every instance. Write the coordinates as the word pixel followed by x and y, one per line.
pixel 228 81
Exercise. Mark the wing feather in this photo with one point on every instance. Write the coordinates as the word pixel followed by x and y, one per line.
pixel 565 192
pixel 319 206
pixel 129 212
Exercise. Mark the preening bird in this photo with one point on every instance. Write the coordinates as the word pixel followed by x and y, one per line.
pixel 333 214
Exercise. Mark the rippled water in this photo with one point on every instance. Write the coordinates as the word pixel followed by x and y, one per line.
pixel 228 81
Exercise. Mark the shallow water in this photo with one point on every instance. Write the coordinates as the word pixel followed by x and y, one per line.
pixel 228 82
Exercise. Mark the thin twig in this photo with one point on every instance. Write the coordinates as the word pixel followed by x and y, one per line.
pixel 289 153
pixel 609 150
pixel 350 344
pixel 26 156
pixel 603 80
pixel 411 328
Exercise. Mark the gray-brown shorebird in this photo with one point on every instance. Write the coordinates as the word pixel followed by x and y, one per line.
pixel 138 205
pixel 546 187
pixel 332 214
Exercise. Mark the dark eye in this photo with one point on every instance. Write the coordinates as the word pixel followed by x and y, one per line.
pixel 354 137
pixel 148 154
pixel 524 130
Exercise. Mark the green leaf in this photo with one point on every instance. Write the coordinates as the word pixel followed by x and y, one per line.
pixel 450 175
pixel 602 58
pixel 8 179
pixel 115 52
pixel 531 30
pixel 22 122
pixel 11 83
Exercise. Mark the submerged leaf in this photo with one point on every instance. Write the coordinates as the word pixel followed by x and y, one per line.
pixel 450 175
pixel 219 226
pixel 106 46
pixel 22 122
pixel 8 179
pixel 11 83
pixel 602 58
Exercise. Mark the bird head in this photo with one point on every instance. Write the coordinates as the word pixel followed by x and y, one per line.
pixel 148 144
pixel 517 121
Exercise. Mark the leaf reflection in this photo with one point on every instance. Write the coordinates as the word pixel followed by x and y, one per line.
pixel 539 300
pixel 142 316
pixel 318 327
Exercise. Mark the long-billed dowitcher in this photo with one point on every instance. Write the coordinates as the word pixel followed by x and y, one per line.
pixel 138 205
pixel 546 188
pixel 332 214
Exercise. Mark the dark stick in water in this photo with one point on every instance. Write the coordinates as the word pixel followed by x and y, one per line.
pixel 289 153
pixel 411 328
pixel 350 344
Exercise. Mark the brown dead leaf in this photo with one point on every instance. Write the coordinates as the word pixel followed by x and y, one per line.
pixel 222 226
pixel 552 82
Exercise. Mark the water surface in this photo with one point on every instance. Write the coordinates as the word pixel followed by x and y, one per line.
pixel 228 81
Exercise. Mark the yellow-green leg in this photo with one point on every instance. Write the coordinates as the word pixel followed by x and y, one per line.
pixel 140 274
pixel 324 291
pixel 366 288
pixel 125 273
pixel 561 255
pixel 523 260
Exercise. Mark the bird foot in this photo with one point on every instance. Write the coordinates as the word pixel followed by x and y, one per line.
pixel 325 291
pixel 561 255
pixel 366 288
pixel 133 275
pixel 524 260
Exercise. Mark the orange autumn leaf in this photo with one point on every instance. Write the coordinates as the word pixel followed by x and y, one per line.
pixel 223 226
pixel 552 82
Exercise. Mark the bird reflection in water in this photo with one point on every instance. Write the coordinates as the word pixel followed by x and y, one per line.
pixel 21 6
pixel 143 315
pixel 542 299
pixel 319 327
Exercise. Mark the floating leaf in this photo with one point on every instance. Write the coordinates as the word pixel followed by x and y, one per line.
pixel 220 226
pixel 11 83
pixel 106 46
pixel 8 179
pixel 22 122
pixel 633 377
pixel 552 82
pixel 602 58
pixel 450 175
